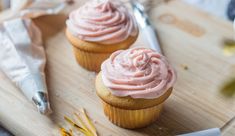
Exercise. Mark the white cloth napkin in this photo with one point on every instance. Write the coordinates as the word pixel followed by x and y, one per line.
pixel 208 132
pixel 234 29
pixel 31 8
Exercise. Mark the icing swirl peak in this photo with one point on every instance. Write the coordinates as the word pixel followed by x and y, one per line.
pixel 103 21
pixel 138 72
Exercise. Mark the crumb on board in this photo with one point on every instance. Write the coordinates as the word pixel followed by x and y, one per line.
pixel 184 66
pixel 229 47
pixel 94 121
pixel 57 95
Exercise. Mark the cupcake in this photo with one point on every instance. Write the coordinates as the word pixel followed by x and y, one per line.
pixel 99 28
pixel 133 85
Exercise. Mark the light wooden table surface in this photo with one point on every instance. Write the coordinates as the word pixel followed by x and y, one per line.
pixel 188 37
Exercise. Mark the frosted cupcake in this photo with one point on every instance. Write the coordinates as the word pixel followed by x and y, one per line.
pixel 133 85
pixel 99 28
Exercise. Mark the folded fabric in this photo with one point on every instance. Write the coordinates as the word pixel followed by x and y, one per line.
pixel 29 8
pixel 208 132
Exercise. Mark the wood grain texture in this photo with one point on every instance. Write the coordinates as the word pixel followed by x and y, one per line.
pixel 188 37
pixel 229 128
pixel 230 131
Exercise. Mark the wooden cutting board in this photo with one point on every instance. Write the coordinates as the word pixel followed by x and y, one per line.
pixel 188 37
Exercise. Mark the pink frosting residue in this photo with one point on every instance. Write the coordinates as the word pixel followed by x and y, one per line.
pixel 103 21
pixel 138 72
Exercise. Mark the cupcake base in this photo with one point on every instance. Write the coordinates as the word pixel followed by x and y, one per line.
pixel 127 112
pixel 89 60
pixel 90 55
pixel 132 119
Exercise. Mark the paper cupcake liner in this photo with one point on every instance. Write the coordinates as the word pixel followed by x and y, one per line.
pixel 90 55
pixel 132 119
pixel 90 60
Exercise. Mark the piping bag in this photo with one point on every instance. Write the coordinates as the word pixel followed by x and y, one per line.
pixel 22 55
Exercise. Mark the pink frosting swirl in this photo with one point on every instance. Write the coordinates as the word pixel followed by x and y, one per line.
pixel 138 72
pixel 102 21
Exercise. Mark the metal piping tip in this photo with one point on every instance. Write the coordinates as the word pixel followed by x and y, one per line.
pixel 140 15
pixel 40 99
pixel 137 5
